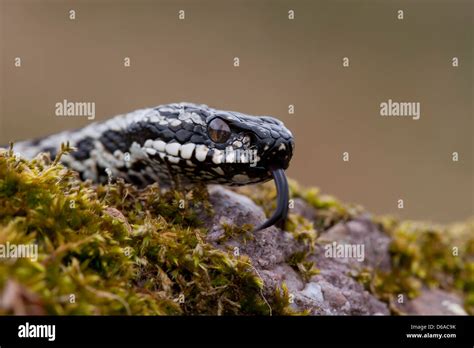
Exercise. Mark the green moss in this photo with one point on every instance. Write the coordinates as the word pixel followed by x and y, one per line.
pixel 282 301
pixel 329 211
pixel 421 253
pixel 302 230
pixel 243 233
pixel 299 262
pixel 424 254
pixel 114 249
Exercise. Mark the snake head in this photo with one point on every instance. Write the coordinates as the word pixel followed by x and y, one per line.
pixel 253 145
pixel 221 147
pixel 226 147
pixel 264 139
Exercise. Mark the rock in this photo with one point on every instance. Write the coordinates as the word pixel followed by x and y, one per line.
pixel 313 292
pixel 267 248
pixel 323 273
pixel 284 273
pixel 302 208
pixel 435 302
pixel 342 293
pixel 18 300
pixel 362 231
pixel 333 291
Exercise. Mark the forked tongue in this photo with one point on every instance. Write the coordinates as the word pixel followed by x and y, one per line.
pixel 283 197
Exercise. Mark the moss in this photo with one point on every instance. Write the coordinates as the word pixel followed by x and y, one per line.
pixel 282 301
pixel 424 254
pixel 299 262
pixel 114 249
pixel 328 209
pixel 302 230
pixel 244 232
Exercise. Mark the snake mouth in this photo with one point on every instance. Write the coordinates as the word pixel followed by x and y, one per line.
pixel 283 196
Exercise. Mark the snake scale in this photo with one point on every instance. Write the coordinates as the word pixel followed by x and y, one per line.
pixel 180 142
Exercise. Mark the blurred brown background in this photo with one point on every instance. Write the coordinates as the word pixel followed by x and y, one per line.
pixel 282 62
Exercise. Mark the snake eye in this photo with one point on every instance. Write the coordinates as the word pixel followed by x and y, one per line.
pixel 218 130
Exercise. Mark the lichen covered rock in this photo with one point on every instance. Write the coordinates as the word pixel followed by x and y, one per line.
pixel 115 249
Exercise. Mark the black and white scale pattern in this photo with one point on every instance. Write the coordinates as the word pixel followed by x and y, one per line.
pixel 171 143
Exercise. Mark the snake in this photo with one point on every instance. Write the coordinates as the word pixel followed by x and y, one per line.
pixel 183 143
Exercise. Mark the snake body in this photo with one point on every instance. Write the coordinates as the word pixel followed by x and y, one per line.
pixel 180 142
